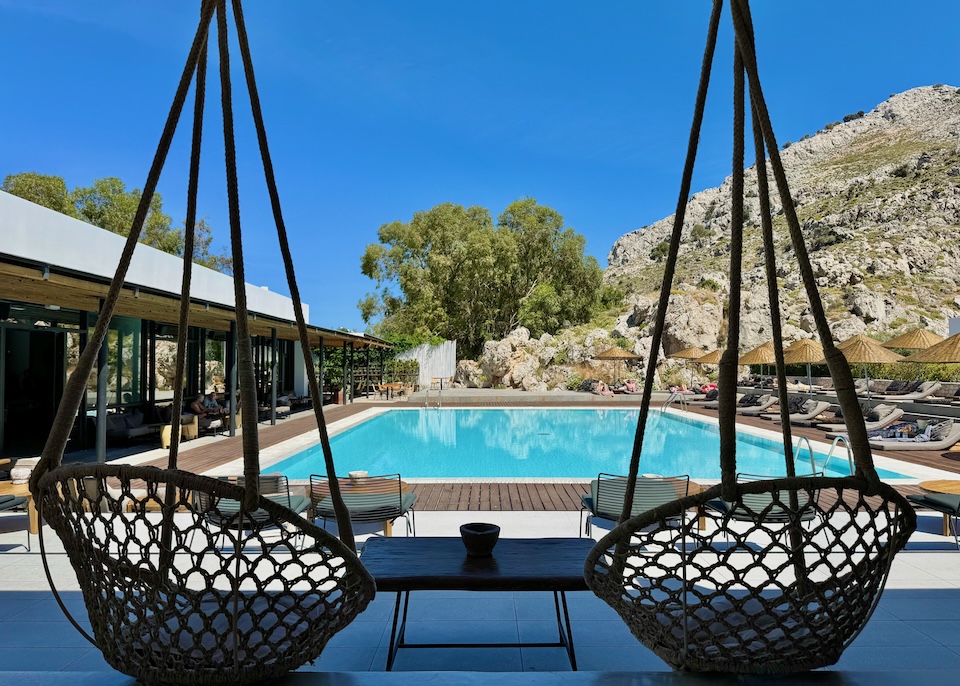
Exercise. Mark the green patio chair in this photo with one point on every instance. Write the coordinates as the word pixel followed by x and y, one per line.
pixel 223 513
pixel 607 491
pixel 9 502
pixel 941 502
pixel 771 507
pixel 370 499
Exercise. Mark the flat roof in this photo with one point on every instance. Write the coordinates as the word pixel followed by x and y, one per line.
pixel 48 258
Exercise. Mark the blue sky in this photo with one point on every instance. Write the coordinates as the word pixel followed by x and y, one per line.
pixel 377 109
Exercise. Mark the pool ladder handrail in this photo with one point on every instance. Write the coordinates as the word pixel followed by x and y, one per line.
pixel 675 397
pixel 426 397
pixel 796 453
pixel 840 438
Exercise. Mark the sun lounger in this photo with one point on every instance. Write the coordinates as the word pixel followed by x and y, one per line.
pixel 766 402
pixel 885 420
pixel 945 443
pixel 704 400
pixel 926 389
pixel 806 417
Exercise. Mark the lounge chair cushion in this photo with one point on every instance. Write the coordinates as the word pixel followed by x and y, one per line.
pixel 895 387
pixel 8 502
pixel 879 412
pixel 795 405
pixel 940 430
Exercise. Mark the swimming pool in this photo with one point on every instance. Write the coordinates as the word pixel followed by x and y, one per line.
pixel 535 443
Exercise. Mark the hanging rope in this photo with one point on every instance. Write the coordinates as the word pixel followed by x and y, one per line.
pixel 727 383
pixel 809 555
pixel 839 369
pixel 670 265
pixel 183 322
pixel 344 525
pixel 74 389
pixel 248 389
pixel 773 297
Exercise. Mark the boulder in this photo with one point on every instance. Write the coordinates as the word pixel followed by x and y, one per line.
pixel 470 375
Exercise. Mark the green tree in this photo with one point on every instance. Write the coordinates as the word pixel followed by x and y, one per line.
pixel 49 191
pixel 108 204
pixel 450 272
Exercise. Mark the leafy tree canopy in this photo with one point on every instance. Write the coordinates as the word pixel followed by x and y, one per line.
pixel 108 204
pixel 451 272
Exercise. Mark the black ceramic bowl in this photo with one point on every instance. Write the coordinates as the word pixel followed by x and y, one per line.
pixel 479 539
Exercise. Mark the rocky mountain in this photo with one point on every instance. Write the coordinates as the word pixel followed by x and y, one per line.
pixel 879 201
pixel 878 196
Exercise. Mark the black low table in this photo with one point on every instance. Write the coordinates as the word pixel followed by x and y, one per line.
pixel 402 565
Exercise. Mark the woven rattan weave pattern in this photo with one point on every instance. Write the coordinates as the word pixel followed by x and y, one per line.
pixel 745 597
pixel 199 580
pixel 800 580
pixel 173 600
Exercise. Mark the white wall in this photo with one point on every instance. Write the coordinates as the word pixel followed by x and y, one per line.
pixel 435 361
pixel 300 383
pixel 38 234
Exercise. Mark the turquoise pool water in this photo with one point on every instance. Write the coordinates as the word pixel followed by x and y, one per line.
pixel 459 443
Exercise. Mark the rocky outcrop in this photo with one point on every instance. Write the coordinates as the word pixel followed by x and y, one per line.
pixel 879 202
pixel 878 198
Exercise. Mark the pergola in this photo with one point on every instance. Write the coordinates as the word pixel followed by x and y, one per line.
pixel 68 300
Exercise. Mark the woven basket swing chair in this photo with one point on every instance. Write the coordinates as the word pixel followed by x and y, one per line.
pixel 166 602
pixel 788 576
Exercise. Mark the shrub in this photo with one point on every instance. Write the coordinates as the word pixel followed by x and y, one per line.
pixel 901 171
pixel 905 371
pixel 660 251
pixel 709 284
pixel 852 117
pixel 699 232
pixel 573 382
pixel 786 144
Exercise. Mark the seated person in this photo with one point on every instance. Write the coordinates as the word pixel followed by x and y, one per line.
pixel 602 389
pixel 630 386
pixel 204 417
pixel 682 388
pixel 211 405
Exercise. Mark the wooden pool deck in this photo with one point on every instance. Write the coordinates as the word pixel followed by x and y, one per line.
pixel 511 496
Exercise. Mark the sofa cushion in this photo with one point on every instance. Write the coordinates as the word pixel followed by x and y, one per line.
pixel 116 423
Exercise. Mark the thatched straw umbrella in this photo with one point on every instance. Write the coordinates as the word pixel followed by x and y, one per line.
pixel 710 358
pixel 762 354
pixel 804 351
pixel 918 339
pixel 944 352
pixel 864 350
pixel 616 354
pixel 688 354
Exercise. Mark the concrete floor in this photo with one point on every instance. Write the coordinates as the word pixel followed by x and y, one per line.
pixel 915 630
